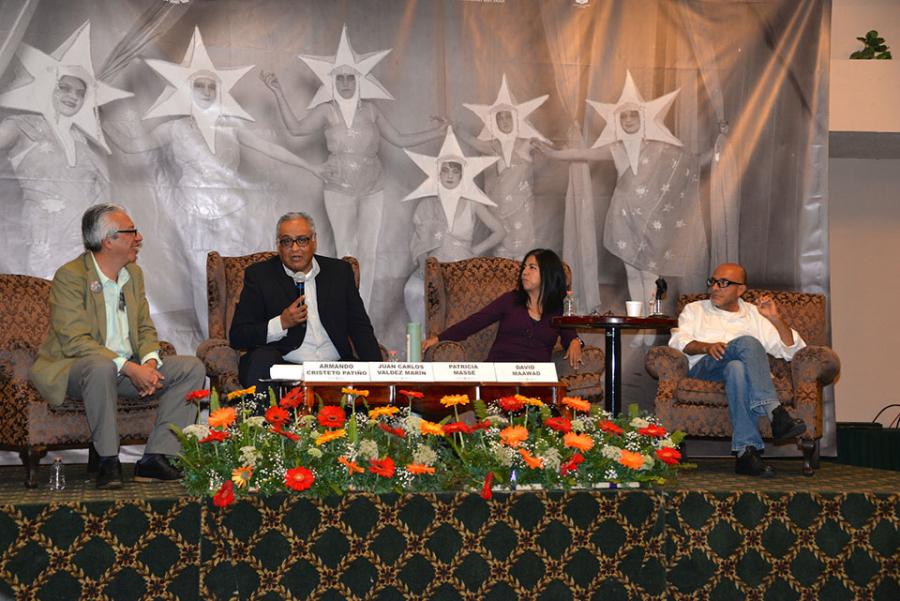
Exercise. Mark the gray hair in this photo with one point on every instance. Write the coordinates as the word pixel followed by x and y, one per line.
pixel 96 225
pixel 292 216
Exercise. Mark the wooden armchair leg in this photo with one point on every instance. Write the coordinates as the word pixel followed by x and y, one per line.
pixel 810 450
pixel 31 460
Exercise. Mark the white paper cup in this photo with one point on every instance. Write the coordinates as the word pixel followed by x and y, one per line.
pixel 634 308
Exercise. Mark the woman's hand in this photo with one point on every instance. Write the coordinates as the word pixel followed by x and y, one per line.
pixel 271 80
pixel 429 342
pixel 574 353
pixel 442 123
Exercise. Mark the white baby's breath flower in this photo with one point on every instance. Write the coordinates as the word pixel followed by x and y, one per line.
pixel 639 422
pixel 411 424
pixel 250 455
pixel 666 443
pixel 551 459
pixel 504 455
pixel 257 421
pixel 578 425
pixel 368 449
pixel 610 452
pixel 424 455
pixel 497 420
pixel 198 431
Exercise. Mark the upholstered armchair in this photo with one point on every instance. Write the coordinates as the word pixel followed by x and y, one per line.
pixel 28 424
pixel 699 408
pixel 453 291
pixel 224 282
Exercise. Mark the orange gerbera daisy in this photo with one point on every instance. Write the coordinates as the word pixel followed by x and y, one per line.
pixel 222 417
pixel 352 467
pixel 241 475
pixel 535 463
pixel 630 459
pixel 417 469
pixel 582 442
pixel 527 400
pixel 329 436
pixel 354 391
pixel 513 436
pixel 239 393
pixel 427 427
pixel 577 403
pixel 451 400
pixel 383 412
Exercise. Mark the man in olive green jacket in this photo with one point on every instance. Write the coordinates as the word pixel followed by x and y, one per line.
pixel 102 344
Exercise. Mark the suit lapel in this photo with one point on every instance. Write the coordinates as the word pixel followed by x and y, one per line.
pixel 95 295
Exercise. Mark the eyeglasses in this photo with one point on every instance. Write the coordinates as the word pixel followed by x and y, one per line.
pixel 722 283
pixel 287 242
pixel 133 231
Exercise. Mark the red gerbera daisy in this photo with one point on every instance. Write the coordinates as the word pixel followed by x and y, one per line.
pixel 331 416
pixel 382 467
pixel 560 424
pixel 299 478
pixel 277 416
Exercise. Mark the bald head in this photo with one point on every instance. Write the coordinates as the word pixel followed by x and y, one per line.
pixel 727 284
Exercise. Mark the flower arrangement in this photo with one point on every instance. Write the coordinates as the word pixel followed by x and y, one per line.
pixel 511 442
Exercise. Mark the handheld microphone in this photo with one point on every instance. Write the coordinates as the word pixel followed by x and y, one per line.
pixel 300 283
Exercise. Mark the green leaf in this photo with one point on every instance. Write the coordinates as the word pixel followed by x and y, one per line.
pixel 213 400
pixel 179 434
pixel 480 409
pixel 272 400
pixel 634 410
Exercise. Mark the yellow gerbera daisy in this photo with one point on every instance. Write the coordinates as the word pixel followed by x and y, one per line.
pixel 329 436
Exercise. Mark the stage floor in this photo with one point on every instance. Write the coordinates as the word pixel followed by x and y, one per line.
pixel 708 535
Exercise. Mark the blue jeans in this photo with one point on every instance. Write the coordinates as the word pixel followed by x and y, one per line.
pixel 748 386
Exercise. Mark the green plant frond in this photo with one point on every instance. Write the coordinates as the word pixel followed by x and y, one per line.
pixel 213 400
pixel 272 400
pixel 480 409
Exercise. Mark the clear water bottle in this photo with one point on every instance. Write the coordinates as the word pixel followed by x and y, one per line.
pixel 57 475
pixel 570 305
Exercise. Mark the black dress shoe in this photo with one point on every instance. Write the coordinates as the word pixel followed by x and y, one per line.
pixel 154 468
pixel 93 460
pixel 784 426
pixel 109 474
pixel 750 463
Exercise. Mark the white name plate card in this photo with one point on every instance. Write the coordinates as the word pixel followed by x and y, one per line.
pixel 336 371
pixel 464 372
pixel 286 371
pixel 401 372
pixel 543 373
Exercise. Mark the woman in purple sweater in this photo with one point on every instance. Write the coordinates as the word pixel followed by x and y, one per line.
pixel 525 332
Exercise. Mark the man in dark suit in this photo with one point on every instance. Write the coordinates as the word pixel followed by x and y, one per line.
pixel 299 307
pixel 102 344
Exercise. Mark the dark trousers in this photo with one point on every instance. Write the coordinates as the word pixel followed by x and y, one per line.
pixel 256 364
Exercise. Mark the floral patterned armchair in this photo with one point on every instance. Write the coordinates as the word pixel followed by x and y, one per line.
pixel 699 408
pixel 28 424
pixel 224 282
pixel 453 291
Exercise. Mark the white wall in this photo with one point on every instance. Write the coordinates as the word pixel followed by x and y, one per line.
pixel 864 225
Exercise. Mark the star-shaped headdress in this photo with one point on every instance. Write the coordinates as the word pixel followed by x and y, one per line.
pixel 325 68
pixel 652 114
pixel 471 166
pixel 521 127
pixel 178 97
pixel 72 58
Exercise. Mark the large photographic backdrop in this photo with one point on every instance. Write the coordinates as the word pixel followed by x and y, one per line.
pixel 636 137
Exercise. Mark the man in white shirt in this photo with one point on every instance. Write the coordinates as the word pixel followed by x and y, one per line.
pixel 299 306
pixel 727 339
pixel 102 344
